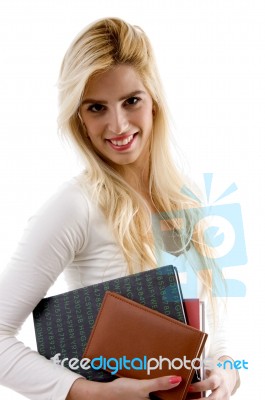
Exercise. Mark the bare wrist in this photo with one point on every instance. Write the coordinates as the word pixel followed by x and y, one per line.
pixel 83 389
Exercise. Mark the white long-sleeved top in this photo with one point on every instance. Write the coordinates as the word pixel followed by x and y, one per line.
pixel 69 233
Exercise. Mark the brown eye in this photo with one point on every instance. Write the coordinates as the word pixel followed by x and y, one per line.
pixel 133 100
pixel 96 108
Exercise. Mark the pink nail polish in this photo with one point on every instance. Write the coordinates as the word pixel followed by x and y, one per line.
pixel 191 389
pixel 175 379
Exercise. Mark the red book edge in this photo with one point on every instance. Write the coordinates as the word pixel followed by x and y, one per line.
pixel 194 310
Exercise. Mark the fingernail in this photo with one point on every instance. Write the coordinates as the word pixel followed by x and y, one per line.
pixel 191 389
pixel 175 379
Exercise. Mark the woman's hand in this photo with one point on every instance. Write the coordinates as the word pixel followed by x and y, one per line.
pixel 221 382
pixel 121 388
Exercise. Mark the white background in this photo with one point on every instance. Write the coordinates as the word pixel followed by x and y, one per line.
pixel 211 56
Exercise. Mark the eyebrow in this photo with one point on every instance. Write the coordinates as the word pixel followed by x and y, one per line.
pixel 94 101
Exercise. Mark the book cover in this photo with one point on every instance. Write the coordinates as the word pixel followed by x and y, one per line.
pixel 149 351
pixel 63 323
pixel 192 312
pixel 195 314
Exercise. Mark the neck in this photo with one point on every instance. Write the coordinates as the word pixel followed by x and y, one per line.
pixel 136 177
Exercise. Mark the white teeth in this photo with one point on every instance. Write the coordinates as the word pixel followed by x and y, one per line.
pixel 122 142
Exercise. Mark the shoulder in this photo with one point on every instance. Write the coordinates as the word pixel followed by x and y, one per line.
pixel 64 220
pixel 68 210
pixel 70 199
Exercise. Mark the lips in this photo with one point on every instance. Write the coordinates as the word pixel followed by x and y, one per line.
pixel 122 143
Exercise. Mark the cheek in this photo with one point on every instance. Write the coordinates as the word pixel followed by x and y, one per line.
pixel 94 129
pixel 147 119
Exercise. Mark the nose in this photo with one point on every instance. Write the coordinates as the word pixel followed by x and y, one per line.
pixel 118 122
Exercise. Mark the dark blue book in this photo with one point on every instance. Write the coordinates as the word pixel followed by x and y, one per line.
pixel 63 322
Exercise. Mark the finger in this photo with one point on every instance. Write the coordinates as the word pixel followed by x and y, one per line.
pixel 161 383
pixel 211 383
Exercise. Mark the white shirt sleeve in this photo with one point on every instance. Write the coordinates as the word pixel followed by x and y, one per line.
pixel 52 238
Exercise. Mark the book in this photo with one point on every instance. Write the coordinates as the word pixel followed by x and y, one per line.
pixel 195 314
pixel 192 312
pixel 63 323
pixel 134 341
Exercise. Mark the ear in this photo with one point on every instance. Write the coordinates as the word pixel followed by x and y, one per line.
pixel 80 118
pixel 154 110
pixel 83 124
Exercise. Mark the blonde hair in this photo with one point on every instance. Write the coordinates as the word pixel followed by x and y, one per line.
pixel 99 47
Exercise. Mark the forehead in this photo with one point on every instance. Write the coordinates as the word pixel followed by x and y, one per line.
pixel 117 81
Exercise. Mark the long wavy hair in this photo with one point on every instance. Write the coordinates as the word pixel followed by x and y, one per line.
pixel 99 47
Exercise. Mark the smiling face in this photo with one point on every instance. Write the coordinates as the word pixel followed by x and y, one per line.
pixel 117 112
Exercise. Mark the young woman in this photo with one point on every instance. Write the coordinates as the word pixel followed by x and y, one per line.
pixel 99 225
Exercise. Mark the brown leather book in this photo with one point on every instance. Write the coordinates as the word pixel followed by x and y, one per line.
pixel 130 340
